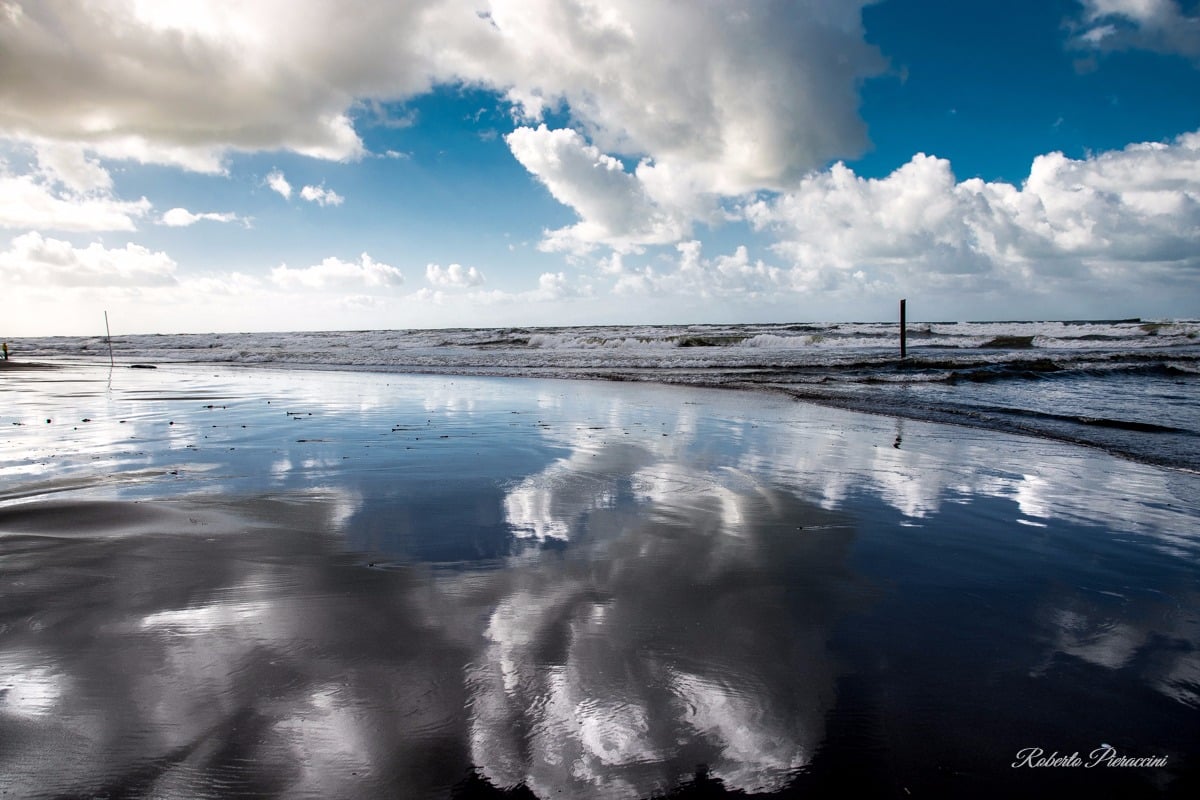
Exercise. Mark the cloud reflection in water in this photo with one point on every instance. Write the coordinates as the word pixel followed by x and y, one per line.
pixel 580 587
pixel 688 626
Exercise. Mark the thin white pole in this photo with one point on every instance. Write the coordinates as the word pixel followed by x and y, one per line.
pixel 108 334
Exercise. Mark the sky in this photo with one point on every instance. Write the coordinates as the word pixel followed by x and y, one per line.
pixel 273 165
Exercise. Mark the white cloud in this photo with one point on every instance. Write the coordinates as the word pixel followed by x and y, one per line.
pixel 731 99
pixel 690 274
pixel 181 217
pixel 320 195
pixel 454 276
pixel 739 98
pixel 27 202
pixel 541 303
pixel 553 284
pixel 278 183
pixel 69 165
pixel 614 205
pixel 1120 217
pixel 220 285
pixel 1137 10
pixel 361 302
pixel 35 260
pixel 335 273
pixel 207 159
pixel 556 286
pixel 1159 25
pixel 194 79
pixel 427 295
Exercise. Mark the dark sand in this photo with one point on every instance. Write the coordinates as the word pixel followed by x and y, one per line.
pixel 12 365
pixel 240 583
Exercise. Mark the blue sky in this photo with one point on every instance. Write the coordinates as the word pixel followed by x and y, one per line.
pixel 439 163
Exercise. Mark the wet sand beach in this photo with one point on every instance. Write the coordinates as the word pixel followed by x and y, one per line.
pixel 9 365
pixel 232 582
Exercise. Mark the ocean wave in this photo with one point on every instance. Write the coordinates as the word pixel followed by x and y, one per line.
pixel 1085 372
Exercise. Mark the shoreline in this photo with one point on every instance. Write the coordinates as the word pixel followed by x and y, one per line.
pixel 1081 434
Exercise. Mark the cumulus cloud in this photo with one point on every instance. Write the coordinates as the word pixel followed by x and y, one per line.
pixel 553 284
pixel 533 303
pixel 690 273
pixel 427 295
pixel 276 182
pixel 181 217
pixel 556 286
pixel 739 97
pixel 193 79
pixel 28 201
pixel 1132 213
pixel 335 273
pixel 36 260
pixel 1159 25
pixel 70 166
pixel 320 195
pixel 614 205
pixel 454 276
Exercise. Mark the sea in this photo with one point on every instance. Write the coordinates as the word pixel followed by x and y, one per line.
pixel 1130 387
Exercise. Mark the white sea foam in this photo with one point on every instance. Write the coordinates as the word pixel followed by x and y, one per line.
pixel 843 350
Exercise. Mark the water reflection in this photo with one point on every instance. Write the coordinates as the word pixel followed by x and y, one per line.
pixel 692 629
pixel 342 585
pixel 241 656
pixel 552 503
pixel 1150 632
pixel 243 652
pixel 226 430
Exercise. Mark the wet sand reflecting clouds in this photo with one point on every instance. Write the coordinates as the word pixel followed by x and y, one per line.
pixel 330 585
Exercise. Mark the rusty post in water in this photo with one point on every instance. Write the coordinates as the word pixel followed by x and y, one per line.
pixel 903 332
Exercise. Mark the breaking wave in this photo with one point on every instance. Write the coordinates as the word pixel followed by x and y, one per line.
pixel 1128 386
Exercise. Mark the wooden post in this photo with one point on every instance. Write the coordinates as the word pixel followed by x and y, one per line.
pixel 903 332
pixel 108 335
